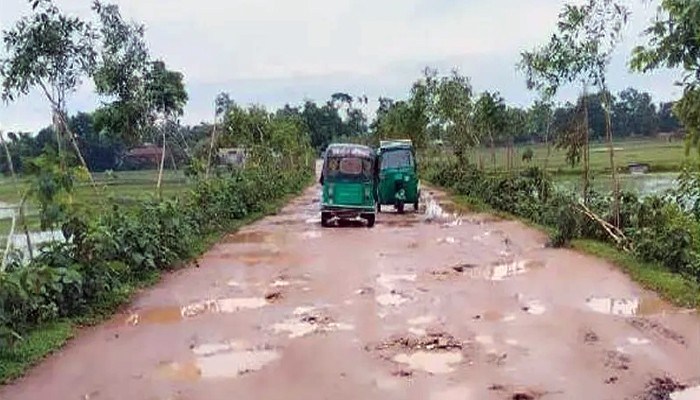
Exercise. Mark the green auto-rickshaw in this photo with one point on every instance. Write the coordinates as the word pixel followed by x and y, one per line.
pixel 398 174
pixel 349 180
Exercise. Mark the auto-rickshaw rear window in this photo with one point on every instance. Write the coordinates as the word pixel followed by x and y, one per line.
pixel 397 159
pixel 349 166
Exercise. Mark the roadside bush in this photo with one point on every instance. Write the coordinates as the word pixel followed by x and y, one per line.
pixel 106 253
pixel 664 230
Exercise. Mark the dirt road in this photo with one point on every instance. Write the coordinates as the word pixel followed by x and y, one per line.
pixel 423 306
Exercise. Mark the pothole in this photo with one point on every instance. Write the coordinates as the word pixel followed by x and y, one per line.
pixel 306 321
pixel 388 281
pixel 628 306
pixel 168 315
pixel 534 307
pixel 219 361
pixel 392 299
pixel 433 363
pixel 434 352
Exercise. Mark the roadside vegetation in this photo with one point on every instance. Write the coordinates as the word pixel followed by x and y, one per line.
pixel 120 230
pixel 511 161
pixel 124 220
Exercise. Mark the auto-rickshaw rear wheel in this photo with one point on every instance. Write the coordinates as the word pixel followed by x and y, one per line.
pixel 370 218
pixel 325 218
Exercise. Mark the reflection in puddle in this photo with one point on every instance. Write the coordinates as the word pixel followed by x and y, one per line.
pixel 637 341
pixel 295 328
pixel 249 237
pixel 221 364
pixel 388 281
pixel 434 363
pixel 168 315
pixel 692 393
pixel 484 339
pixel 534 307
pixel 504 271
pixel 628 307
pixel 423 320
pixel 447 240
pixel 311 235
pixel 391 299
pixel 455 393
pixel 417 331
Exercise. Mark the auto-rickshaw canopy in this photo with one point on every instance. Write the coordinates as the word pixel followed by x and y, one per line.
pixel 349 162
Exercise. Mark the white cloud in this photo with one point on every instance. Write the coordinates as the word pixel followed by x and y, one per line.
pixel 277 51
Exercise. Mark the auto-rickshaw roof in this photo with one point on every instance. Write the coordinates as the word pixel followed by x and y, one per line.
pixel 397 144
pixel 349 150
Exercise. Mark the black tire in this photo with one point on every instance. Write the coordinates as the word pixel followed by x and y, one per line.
pixel 400 207
pixel 371 219
pixel 415 206
pixel 325 217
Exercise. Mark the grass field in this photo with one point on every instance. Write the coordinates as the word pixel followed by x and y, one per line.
pixel 123 187
pixel 662 156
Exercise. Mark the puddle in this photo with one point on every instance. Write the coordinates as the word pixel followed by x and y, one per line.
pixel 503 271
pixel 423 320
pixel 295 328
pixel 534 307
pixel 233 283
pixel 224 364
pixel 387 281
pixel 280 283
pixel 447 240
pixel 628 307
pixel 311 235
pixel 391 299
pixel 433 363
pixel 512 342
pixel 417 331
pixel 692 393
pixel 508 318
pixel 439 211
pixel 637 341
pixel 169 315
pixel 455 393
pixel 484 340
pixel 306 323
pixel 249 237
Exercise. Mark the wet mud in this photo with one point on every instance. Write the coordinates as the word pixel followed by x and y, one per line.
pixel 440 304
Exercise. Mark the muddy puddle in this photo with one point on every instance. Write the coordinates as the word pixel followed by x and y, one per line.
pixel 389 281
pixel 252 237
pixel 628 307
pixel 170 315
pixel 496 272
pixel 309 320
pixel 433 363
pixel 219 361
pixel 434 353
pixel 392 299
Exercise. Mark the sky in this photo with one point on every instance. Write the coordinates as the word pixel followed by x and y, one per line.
pixel 273 52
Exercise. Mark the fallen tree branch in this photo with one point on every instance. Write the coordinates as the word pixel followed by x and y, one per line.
pixel 614 232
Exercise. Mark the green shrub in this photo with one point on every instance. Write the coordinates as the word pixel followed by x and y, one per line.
pixel 105 253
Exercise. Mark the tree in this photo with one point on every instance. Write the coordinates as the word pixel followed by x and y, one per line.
pixel 490 118
pixel 166 97
pixel 635 114
pixel 453 109
pixel 120 75
pixel 674 42
pixel 580 51
pixel 53 52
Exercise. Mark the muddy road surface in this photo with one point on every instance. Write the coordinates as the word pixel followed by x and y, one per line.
pixel 427 305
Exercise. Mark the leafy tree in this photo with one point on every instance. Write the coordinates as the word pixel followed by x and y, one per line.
pixel 120 75
pixel 453 109
pixel 490 118
pixel 667 121
pixel 674 42
pixel 635 114
pixel 50 51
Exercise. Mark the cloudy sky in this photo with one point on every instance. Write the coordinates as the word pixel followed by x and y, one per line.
pixel 273 52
